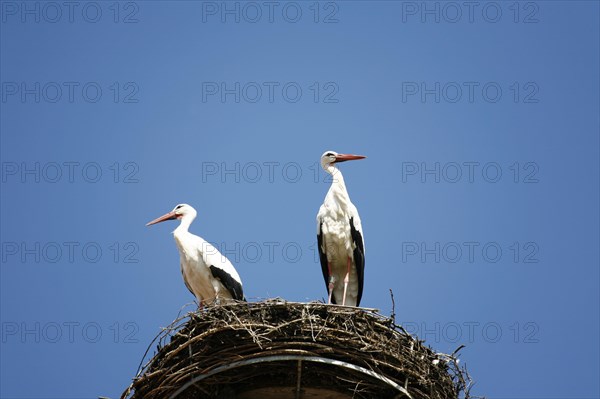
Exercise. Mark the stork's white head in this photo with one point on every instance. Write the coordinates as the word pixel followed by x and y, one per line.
pixel 181 211
pixel 330 158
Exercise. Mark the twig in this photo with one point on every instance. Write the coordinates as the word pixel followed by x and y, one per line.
pixel 393 315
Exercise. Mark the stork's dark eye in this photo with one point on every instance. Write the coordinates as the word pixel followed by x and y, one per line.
pixel 329 154
pixel 178 206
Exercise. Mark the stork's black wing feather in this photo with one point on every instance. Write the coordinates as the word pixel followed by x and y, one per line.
pixel 323 259
pixel 231 284
pixel 359 258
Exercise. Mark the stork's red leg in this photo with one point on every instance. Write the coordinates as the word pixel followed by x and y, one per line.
pixel 346 280
pixel 330 283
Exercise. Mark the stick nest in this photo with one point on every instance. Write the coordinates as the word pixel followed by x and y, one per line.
pixel 269 343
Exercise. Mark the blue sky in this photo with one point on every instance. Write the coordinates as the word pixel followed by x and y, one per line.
pixel 479 197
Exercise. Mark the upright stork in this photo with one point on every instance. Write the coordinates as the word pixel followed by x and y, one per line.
pixel 339 237
pixel 208 275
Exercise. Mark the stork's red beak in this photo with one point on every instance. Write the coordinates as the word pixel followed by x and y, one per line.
pixel 348 157
pixel 168 216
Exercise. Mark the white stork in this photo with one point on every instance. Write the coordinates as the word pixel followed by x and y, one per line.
pixel 208 275
pixel 339 237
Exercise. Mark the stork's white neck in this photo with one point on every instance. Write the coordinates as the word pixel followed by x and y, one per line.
pixel 184 226
pixel 337 191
